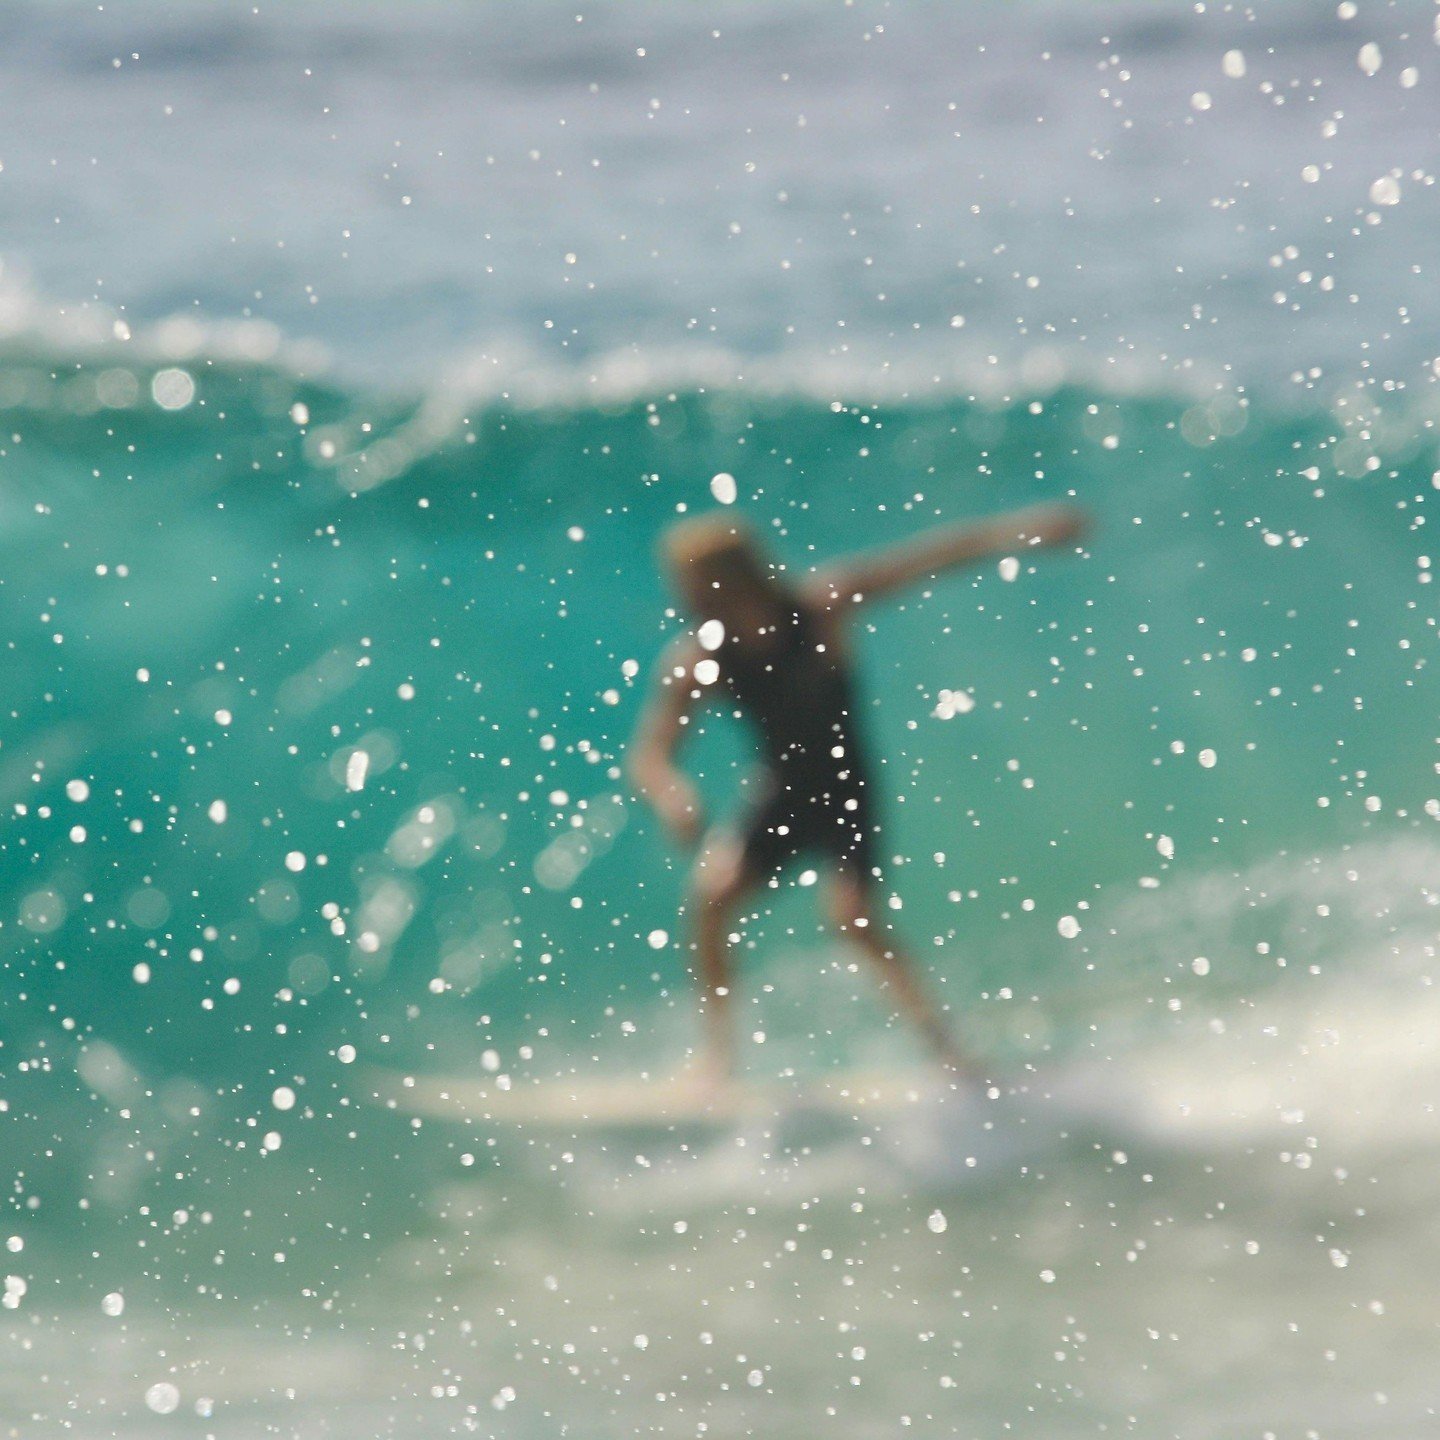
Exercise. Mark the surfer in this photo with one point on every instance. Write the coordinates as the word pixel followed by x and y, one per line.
pixel 777 651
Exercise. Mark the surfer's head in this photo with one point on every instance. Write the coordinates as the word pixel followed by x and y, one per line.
pixel 720 572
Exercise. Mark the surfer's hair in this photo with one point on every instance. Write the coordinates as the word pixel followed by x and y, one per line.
pixel 718 551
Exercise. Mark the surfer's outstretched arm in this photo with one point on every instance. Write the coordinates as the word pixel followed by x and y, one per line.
pixel 673 695
pixel 866 577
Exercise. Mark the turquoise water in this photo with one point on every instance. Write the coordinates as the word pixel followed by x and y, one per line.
pixel 327 624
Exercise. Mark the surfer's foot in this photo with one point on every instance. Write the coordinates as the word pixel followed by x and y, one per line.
pixel 709 1079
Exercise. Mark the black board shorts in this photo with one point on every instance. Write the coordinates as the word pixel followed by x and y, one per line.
pixel 786 823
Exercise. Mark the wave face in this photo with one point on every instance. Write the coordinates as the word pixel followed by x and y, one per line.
pixel 315 715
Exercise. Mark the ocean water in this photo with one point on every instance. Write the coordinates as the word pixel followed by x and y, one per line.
pixel 351 361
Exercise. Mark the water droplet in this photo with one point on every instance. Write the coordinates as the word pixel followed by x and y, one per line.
pixel 163 1398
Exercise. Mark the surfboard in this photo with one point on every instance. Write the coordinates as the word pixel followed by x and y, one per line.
pixel 645 1100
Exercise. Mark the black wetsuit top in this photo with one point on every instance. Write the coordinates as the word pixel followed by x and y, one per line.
pixel 814 795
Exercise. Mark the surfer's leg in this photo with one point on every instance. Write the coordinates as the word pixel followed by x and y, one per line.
pixel 721 881
pixel 853 912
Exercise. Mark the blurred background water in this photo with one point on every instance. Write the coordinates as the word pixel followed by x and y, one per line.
pixel 351 359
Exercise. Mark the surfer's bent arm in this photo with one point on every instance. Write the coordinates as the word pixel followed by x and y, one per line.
pixel 867 577
pixel 674 695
